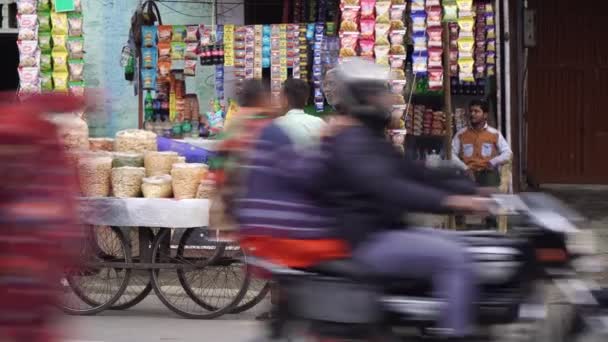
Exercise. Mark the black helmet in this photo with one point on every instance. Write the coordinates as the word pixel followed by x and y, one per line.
pixel 361 90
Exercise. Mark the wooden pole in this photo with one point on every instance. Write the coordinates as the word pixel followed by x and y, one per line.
pixel 447 105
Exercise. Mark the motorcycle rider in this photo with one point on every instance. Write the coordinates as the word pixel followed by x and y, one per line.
pixel 369 186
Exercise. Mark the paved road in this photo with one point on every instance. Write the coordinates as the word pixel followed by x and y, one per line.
pixel 150 321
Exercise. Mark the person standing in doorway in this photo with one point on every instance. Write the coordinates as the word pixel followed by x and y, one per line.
pixel 481 150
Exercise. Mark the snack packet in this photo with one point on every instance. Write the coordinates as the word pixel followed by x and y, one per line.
pixel 466 24
pixel 76 88
pixel 381 52
pixel 164 51
pixel 60 80
pixel 491 32
pixel 76 47
pixel 148 36
pixel 397 61
pixel 75 24
pixel 46 81
pixel 418 5
pixel 191 50
pixel 44 41
pixel 419 64
pixel 450 10
pixel 367 48
pixel 397 50
pixel 164 33
pixel 367 9
pixel 179 33
pixel 397 11
pixel 397 37
pixel 44 21
pixel 164 71
pixel 26 6
pixel 397 86
pixel 44 5
pixel 191 34
pixel 29 55
pixel 59 22
pixel 60 61
pixel 148 79
pixel 178 50
pixel 435 39
pixel 350 18
pixel 60 42
pixel 397 25
pixel 28 26
pixel 367 28
pixel 420 43
pixel 382 30
pixel 466 68
pixel 383 12
pixel 190 67
pixel 435 57
pixel 46 63
pixel 149 57
pixel 465 47
pixel 418 22
pixel 29 80
pixel 465 6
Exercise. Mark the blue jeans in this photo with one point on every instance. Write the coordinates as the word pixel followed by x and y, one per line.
pixel 427 254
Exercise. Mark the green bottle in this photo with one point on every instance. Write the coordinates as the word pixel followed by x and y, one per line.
pixel 149 106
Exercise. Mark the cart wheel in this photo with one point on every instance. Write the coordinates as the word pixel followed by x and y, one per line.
pixel 197 267
pixel 93 287
pixel 258 290
pixel 140 284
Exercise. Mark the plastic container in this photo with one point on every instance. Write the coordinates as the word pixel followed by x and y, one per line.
pixel 128 159
pixel 127 181
pixel 157 187
pixel 187 178
pixel 135 141
pixel 159 163
pixel 95 175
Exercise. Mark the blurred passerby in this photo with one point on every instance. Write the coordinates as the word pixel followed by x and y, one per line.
pixel 39 236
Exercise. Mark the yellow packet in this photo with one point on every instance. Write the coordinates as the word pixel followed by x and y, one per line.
pixel 60 79
pixel 59 22
pixel 60 61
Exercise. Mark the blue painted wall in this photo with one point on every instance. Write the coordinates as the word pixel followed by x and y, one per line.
pixel 106 26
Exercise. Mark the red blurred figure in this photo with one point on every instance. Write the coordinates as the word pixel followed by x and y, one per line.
pixel 38 231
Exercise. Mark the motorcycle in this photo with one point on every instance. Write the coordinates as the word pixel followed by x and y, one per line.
pixel 340 300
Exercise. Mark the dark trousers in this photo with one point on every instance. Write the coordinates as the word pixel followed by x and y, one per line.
pixel 488 178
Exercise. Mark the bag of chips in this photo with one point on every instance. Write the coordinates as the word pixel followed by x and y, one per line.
pixel 179 33
pixel 76 47
pixel 44 21
pixel 178 50
pixel 60 80
pixel 397 11
pixel 46 63
pixel 149 57
pixel 367 9
pixel 190 67
pixel 367 48
pixel 367 28
pixel 148 36
pixel 29 81
pixel 46 81
pixel 26 6
pixel 435 38
pixel 381 52
pixel 28 27
pixel 433 16
pixel 164 33
pixel 435 57
pixel 466 70
pixel 418 22
pixel 59 22
pixel 191 50
pixel 191 34
pixel 419 64
pixel 44 41
pixel 148 79
pixel 60 43
pixel 76 68
pixel 29 54
pixel 60 61
pixel 76 88
pixel 44 5
pixel 383 12
pixel 164 52
pixel 75 24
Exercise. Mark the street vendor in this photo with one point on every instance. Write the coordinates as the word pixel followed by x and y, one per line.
pixel 479 149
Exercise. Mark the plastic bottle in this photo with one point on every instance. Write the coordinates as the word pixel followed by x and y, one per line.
pixel 149 107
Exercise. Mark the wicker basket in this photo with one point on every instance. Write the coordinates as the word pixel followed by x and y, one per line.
pixel 157 187
pixel 127 181
pixel 159 163
pixel 186 179
pixel 135 140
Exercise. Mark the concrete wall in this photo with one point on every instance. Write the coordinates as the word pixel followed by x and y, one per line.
pixel 106 26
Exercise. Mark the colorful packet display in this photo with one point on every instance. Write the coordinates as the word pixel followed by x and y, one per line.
pixel 26 6
pixel 27 27
pixel 148 36
pixel 148 79
pixel 60 24
pixel 75 47
pixel 178 51
pixel 250 51
pixel 178 34
pixel 44 42
pixel 229 45
pixel 164 33
pixel 75 24
pixel 46 81
pixel 319 99
pixel 60 61
pixel 29 54
pixel 219 68
pixel 44 21
pixel 149 57
pixel 257 53
pixel 60 80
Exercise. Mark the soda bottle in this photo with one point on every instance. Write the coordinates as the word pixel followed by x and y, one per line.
pixel 149 106
pixel 130 69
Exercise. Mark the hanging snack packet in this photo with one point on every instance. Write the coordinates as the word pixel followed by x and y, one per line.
pixel 418 5
pixel 397 25
pixel 397 86
pixel 76 47
pixel 383 12
pixel 420 43
pixel 348 43
pixel 44 5
pixel 382 30
pixel 465 47
pixel 59 22
pixel 46 81
pixel 381 52
pixel 466 25
pixel 44 41
pixel 367 9
pixel 350 17
pixel 148 79
pixel 149 57
pixel 367 48
pixel 435 60
pixel 179 33
pixel 44 21
pixel 418 22
pixel 491 32
pixel 190 67
pixel 60 80
pixel 491 58
pixel 148 36
pixel 450 10
pixel 419 64
pixel 397 37
pixel 397 12
pixel 191 50
pixel 164 52
pixel 465 6
pixel 397 74
pixel 466 68
pixel 397 61
pixel 76 88
pixel 178 50
pixel 164 33
pixel 191 34
pixel 491 45
pixel 28 26
pixel 76 67
pixel 60 61
pixel 435 39
pixel 29 55
pixel 434 16
pixel 164 71
pixel 367 28
pixel 29 81
pixel 60 43
pixel 75 24
pixel 46 63
pixel 430 3
pixel 26 6
pixel 397 50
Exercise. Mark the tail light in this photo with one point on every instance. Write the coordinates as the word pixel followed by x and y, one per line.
pixel 551 255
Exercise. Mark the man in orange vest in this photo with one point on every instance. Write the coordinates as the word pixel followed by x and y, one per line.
pixel 480 149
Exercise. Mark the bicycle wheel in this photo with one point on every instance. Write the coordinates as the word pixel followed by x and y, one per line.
pixel 140 284
pixel 195 269
pixel 93 287
pixel 257 291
